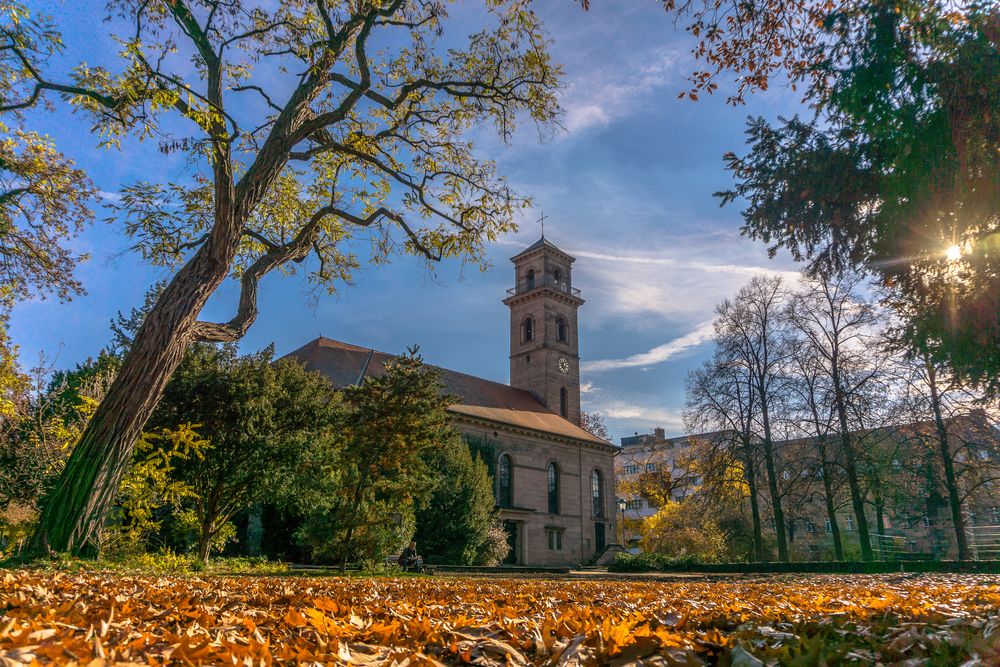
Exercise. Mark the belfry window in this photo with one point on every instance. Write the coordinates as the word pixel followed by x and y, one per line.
pixel 553 474
pixel 597 492
pixel 557 274
pixel 531 279
pixel 562 401
pixel 561 329
pixel 504 482
pixel 529 329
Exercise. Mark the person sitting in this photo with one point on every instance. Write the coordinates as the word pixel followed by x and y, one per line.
pixel 410 559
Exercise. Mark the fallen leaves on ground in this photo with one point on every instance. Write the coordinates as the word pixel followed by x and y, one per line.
pixel 97 619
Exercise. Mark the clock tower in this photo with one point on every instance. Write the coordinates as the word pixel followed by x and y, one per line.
pixel 544 342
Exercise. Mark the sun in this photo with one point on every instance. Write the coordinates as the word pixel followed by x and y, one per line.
pixel 953 253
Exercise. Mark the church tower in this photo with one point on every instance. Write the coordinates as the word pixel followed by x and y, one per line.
pixel 544 345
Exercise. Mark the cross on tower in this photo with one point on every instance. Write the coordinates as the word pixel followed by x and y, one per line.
pixel 541 221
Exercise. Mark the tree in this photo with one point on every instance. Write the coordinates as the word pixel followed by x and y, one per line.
pixel 593 423
pixel 838 328
pixel 896 174
pixel 453 525
pixel 47 420
pixel 43 196
pixel 677 531
pixel 360 486
pixel 720 398
pixel 256 416
pixel 749 334
pixel 308 141
pixel 811 399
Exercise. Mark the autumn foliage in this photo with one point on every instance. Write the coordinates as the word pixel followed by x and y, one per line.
pixel 82 618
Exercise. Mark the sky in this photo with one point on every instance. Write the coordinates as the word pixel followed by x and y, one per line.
pixel 626 187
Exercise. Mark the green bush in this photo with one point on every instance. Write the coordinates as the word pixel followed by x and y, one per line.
pixel 651 562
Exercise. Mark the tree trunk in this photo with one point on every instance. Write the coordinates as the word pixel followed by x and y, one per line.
pixel 204 542
pixel 772 482
pixel 831 509
pixel 758 539
pixel 954 498
pixel 74 511
pixel 851 468
pixel 355 505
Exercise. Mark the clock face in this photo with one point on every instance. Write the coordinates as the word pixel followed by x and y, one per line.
pixel 563 365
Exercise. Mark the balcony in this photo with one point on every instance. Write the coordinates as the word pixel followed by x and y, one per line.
pixel 548 281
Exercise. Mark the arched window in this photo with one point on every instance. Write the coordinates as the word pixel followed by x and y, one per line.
pixel 597 492
pixel 505 468
pixel 562 401
pixel 553 488
pixel 561 329
pixel 528 327
pixel 531 278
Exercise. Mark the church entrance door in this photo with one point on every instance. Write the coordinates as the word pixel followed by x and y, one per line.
pixel 599 536
pixel 511 528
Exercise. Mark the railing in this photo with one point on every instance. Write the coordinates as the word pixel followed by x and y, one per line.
pixel 889 547
pixel 560 285
pixel 984 542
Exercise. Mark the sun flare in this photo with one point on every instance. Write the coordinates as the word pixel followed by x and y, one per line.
pixel 953 253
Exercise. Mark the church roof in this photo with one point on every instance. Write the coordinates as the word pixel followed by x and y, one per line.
pixel 540 243
pixel 345 364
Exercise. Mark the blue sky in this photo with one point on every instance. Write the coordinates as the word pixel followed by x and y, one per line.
pixel 626 188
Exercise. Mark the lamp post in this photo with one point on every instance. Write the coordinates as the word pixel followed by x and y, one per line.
pixel 621 508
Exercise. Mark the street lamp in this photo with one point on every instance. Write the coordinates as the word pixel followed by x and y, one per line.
pixel 621 508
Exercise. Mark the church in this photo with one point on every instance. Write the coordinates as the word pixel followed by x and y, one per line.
pixel 554 481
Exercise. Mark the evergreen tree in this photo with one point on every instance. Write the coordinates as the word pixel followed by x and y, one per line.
pixel 453 526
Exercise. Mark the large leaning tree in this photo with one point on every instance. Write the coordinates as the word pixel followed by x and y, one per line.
pixel 322 133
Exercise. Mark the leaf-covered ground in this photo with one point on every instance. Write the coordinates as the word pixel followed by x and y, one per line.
pixel 48 618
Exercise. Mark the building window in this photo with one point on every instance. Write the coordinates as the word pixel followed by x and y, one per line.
pixel 927 521
pixel 813 548
pixel 505 472
pixel 562 402
pixel 650 467
pixel 553 488
pixel 810 527
pixel 829 526
pixel 634 504
pixel 912 545
pixel 631 470
pixel 531 278
pixel 561 330
pixel 849 522
pixel 528 329
pixel 557 274
pixel 555 539
pixel 597 492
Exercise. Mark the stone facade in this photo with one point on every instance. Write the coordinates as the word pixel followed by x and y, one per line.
pixel 582 533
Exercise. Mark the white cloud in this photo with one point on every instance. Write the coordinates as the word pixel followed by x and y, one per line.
pixel 599 96
pixel 109 196
pixel 702 334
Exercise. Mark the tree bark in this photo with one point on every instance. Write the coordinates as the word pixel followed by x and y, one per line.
pixel 850 465
pixel 954 498
pixel 758 539
pixel 831 509
pixel 74 511
pixel 772 480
